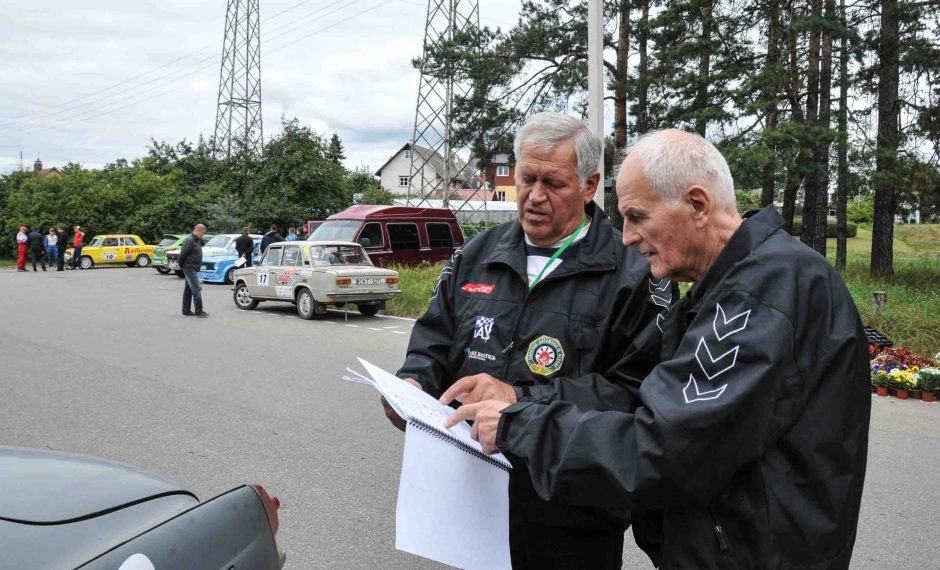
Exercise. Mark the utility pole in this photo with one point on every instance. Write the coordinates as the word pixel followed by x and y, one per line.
pixel 238 113
pixel 432 148
pixel 596 84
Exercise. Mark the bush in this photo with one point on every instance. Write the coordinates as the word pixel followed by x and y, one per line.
pixel 417 284
pixel 851 230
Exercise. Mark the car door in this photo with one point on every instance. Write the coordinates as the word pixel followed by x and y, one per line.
pixel 110 250
pixel 266 274
pixel 287 272
pixel 129 250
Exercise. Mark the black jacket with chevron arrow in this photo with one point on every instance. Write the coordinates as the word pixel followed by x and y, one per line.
pixel 747 445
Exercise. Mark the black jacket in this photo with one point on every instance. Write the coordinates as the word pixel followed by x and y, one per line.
pixel 191 253
pixel 34 241
pixel 481 318
pixel 751 436
pixel 62 242
pixel 244 244
pixel 268 239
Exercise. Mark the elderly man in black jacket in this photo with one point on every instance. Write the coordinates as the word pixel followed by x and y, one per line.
pixel 747 444
pixel 534 300
pixel 190 262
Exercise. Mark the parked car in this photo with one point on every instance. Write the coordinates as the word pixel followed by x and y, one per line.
pixel 221 242
pixel 219 268
pixel 170 242
pixel 314 275
pixel 396 234
pixel 59 510
pixel 128 249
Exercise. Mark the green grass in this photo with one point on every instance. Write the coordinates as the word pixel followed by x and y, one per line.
pixel 7 262
pixel 911 317
pixel 417 283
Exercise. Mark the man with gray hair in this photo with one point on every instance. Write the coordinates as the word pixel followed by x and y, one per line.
pixel 532 300
pixel 746 446
pixel 190 262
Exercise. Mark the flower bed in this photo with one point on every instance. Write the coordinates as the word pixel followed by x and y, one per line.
pixel 896 371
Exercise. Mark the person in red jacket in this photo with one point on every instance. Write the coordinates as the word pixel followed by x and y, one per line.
pixel 21 249
pixel 77 242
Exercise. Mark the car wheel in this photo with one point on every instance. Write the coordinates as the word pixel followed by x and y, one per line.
pixel 86 262
pixel 306 304
pixel 228 276
pixel 242 299
pixel 179 274
pixel 368 310
pixel 143 261
pixel 162 270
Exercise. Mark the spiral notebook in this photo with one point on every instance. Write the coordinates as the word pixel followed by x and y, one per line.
pixel 453 499
pixel 423 411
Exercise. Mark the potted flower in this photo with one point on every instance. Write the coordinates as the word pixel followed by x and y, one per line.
pixel 903 382
pixel 882 382
pixel 928 380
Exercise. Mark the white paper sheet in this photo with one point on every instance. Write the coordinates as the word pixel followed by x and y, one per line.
pixel 452 507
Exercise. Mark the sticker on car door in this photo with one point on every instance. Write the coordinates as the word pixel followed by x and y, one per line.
pixel 263 279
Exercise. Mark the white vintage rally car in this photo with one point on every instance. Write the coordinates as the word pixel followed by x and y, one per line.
pixel 314 275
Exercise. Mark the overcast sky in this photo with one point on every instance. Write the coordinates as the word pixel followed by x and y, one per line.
pixel 91 81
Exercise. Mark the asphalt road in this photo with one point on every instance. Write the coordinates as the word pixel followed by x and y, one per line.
pixel 101 362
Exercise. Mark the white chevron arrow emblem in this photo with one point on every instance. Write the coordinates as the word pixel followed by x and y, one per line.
pixel 731 355
pixel 726 323
pixel 659 319
pixel 661 285
pixel 692 393
pixel 661 301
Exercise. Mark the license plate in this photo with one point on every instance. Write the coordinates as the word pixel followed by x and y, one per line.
pixel 368 280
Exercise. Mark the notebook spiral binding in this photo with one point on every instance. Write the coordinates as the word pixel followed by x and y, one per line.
pixel 459 444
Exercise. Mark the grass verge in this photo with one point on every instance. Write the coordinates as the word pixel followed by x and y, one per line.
pixel 417 283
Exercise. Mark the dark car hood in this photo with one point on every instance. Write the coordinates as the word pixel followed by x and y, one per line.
pixel 47 487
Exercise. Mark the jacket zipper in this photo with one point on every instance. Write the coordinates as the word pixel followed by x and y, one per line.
pixel 719 532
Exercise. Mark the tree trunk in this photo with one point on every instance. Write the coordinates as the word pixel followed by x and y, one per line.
pixel 643 72
pixel 795 170
pixel 842 183
pixel 704 65
pixel 811 185
pixel 771 93
pixel 886 153
pixel 621 78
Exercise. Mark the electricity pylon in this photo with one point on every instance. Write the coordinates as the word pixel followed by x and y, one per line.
pixel 238 114
pixel 438 167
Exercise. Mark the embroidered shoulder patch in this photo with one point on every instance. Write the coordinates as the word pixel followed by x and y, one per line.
pixel 545 355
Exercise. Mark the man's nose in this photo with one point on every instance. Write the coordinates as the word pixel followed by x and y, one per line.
pixel 630 237
pixel 537 193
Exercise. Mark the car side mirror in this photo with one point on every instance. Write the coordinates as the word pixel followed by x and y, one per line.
pixel 365 242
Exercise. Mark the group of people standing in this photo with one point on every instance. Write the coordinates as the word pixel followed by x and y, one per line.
pixel 49 247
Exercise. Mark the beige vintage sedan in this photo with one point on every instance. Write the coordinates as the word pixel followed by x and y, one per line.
pixel 314 275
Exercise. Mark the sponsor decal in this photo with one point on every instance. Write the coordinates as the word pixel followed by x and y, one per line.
pixel 285 292
pixel 484 356
pixel 481 288
pixel 483 327
pixel 285 278
pixel 545 355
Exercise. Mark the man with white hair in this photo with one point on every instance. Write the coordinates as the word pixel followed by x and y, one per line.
pixel 545 296
pixel 747 444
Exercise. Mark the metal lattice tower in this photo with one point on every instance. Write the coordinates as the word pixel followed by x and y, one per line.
pixel 238 115
pixel 435 100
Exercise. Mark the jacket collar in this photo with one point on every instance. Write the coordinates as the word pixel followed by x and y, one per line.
pixel 757 227
pixel 595 252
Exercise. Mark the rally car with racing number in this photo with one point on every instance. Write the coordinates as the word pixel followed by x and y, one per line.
pixel 314 275
pixel 128 249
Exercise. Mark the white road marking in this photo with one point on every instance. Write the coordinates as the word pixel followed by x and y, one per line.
pixel 399 332
pixel 374 329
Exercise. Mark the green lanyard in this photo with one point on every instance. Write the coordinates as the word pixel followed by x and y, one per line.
pixel 558 252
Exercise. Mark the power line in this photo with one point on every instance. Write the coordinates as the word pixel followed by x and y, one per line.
pixel 92 113
pixel 68 104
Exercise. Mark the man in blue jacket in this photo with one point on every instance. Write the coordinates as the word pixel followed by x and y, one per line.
pixel 746 446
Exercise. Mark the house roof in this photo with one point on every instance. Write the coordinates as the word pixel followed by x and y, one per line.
pixel 432 158
pixel 47 171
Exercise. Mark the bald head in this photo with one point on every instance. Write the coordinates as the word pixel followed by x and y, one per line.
pixel 672 161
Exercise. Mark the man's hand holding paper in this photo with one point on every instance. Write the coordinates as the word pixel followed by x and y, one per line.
pixel 485 418
pixel 477 388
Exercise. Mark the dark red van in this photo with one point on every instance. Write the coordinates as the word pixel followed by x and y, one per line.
pixel 400 235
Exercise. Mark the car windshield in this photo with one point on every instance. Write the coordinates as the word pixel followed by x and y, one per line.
pixel 339 255
pixel 167 241
pixel 95 242
pixel 336 230
pixel 219 241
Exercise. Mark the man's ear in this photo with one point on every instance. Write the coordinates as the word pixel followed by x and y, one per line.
pixel 590 186
pixel 700 204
